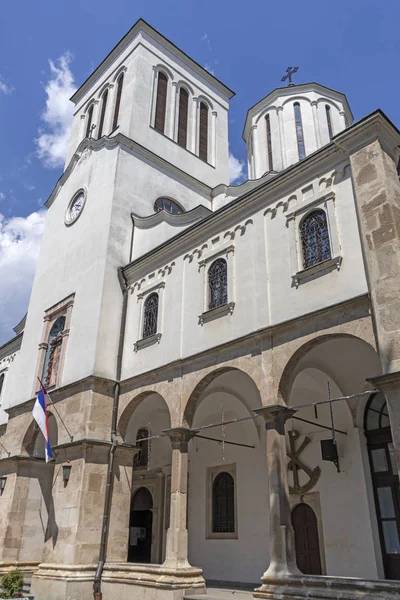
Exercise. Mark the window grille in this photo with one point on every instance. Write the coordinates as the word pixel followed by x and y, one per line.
pixel 315 238
pixel 103 113
pixel 53 353
pixel 150 316
pixel 218 283
pixel 269 143
pixel 223 504
pixel 118 100
pixel 299 131
pixel 329 121
pixel 142 458
pixel 167 205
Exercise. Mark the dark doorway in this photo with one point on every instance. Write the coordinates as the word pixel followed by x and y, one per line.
pixel 385 481
pixel 305 527
pixel 140 527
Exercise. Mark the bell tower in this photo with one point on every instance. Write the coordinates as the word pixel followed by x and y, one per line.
pixel 291 123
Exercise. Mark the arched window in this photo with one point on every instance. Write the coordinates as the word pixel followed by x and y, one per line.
pixel 161 102
pixel 376 413
pixel 218 283
pixel 150 315
pixel 89 119
pixel 269 143
pixel 223 504
pixel 103 113
pixel 1 384
pixel 142 458
pixel 167 205
pixel 203 132
pixel 53 353
pixel 120 83
pixel 299 131
pixel 329 121
pixel 183 117
pixel 315 238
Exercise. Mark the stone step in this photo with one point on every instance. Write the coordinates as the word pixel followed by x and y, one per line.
pixel 221 594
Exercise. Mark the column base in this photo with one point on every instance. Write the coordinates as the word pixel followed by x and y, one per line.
pixel 63 582
pixel 127 581
pixel 313 587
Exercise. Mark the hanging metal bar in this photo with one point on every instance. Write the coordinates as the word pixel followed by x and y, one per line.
pixel 204 437
pixel 319 425
pixel 226 423
pixel 333 400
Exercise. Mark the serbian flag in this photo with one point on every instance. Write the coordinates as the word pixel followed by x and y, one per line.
pixel 39 413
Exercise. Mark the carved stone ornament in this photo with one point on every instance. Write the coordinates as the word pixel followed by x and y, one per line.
pixel 295 465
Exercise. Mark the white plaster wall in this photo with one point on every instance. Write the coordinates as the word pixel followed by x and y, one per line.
pixel 138 61
pixel 245 558
pixel 279 107
pixel 347 533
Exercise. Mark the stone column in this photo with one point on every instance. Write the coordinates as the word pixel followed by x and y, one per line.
pixel 177 536
pixel 281 536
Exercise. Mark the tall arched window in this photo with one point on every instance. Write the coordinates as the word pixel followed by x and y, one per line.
pixel 142 458
pixel 203 132
pixel 1 384
pixel 89 119
pixel 117 106
pixel 329 121
pixel 223 504
pixel 315 238
pixel 299 131
pixel 161 102
pixel 269 143
pixel 53 353
pixel 103 113
pixel 150 315
pixel 183 117
pixel 218 283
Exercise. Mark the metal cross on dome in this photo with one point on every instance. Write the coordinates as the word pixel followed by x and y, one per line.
pixel 290 71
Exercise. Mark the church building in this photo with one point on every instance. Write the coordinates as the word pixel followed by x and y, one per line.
pixel 222 362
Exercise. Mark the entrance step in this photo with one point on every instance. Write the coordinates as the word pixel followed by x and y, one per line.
pixel 222 594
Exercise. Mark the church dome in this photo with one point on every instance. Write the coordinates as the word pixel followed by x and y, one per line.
pixel 290 124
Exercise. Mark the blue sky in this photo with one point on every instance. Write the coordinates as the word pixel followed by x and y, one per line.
pixel 352 46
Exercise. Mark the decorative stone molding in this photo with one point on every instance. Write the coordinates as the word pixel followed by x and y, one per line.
pixel 215 313
pixel 319 269
pixel 147 341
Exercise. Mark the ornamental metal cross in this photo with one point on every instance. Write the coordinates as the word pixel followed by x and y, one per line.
pixel 296 465
pixel 290 71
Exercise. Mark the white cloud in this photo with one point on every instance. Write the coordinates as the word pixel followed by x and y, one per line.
pixel 4 88
pixel 52 141
pixel 209 69
pixel 2 196
pixel 236 169
pixel 19 248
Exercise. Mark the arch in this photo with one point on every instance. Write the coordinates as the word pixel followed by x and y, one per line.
pixel 33 443
pixel 376 415
pixel 169 205
pixel 330 102
pixel 142 499
pixel 296 99
pixel 131 407
pixel 122 69
pixel 202 98
pixel 141 526
pixel 117 104
pixel 223 503
pixel 184 84
pixel 217 277
pixel 52 359
pixel 198 393
pixel 264 113
pixel 315 240
pixel 203 130
pixel 89 119
pixel 304 523
pixel 161 101
pixel 150 315
pixel 291 370
pixel 183 116
pixel 104 99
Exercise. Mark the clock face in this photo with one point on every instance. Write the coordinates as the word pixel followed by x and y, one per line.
pixel 75 208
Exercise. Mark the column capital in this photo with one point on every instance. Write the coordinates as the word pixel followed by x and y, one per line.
pixel 275 413
pixel 180 437
pixel 386 383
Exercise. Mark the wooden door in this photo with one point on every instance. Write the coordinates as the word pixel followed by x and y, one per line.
pixel 305 527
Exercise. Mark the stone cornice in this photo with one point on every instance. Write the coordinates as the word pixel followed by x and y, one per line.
pixel 11 346
pixel 122 141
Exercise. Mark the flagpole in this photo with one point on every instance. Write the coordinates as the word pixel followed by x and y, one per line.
pixel 71 437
